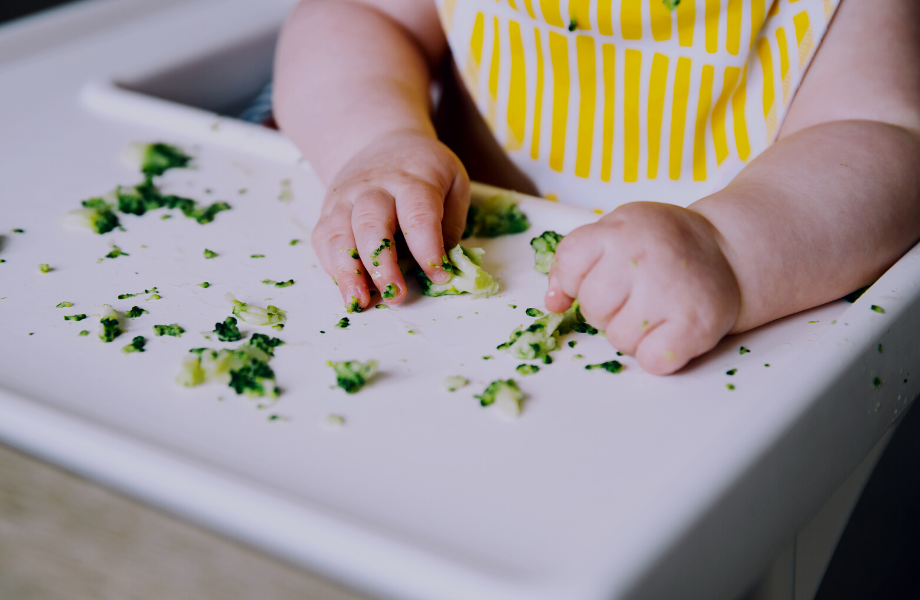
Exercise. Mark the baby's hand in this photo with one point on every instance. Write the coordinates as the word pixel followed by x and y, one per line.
pixel 655 277
pixel 406 182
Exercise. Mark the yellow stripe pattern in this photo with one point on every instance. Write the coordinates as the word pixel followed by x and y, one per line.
pixel 592 89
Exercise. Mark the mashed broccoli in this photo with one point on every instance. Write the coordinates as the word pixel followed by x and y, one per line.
pixel 467 276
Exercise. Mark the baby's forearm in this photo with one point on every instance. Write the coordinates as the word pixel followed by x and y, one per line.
pixel 346 75
pixel 819 214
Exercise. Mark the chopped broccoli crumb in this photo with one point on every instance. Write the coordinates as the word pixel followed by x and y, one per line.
pixel 495 216
pixel 766 364
pixel 209 253
pixel 226 331
pixel 204 284
pixel 573 25
pixel 743 350
pixel 384 244
pixel 116 252
pixel 353 252
pixel 295 242
pixel 729 386
pixel 525 369
pixel 284 284
pixel 544 247
pixel 488 357
pixel 611 366
pixel 74 317
pixel 353 306
pixel 146 196
pixel 877 309
pixel 536 341
pixel 342 324
pixel 84 333
pixel 670 4
pixel 64 304
pixel 173 330
pixel 257 256
pixel 278 326
pixel 468 276
pixel 880 348
pixel 245 369
pixel 505 394
pixel 157 158
pixel 334 421
pixel 381 306
pixel 731 371
pixel 256 315
pixel 18 230
pixel 96 214
pixel 513 305
pixel 109 326
pixel 390 291
pixel 136 345
pixel 166 216
pixel 572 344
pixel 876 382
pixel 44 268
pixel 533 312
pixel 352 375
pixel 584 328
pixel 455 382
pixel 135 312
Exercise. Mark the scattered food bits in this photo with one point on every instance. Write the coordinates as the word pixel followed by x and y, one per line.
pixel 743 350
pixel 342 324
pixel 109 327
pixel 525 369
pixel 729 386
pixel 814 321
pixel 17 230
pixel 226 331
pixel 256 256
pixel 766 364
pixel 256 315
pixel 136 345
pixel 64 305
pixel 209 253
pixel 877 309
pixel 611 366
pixel 204 284
pixel 455 382
pixel 487 357
pixel 572 344
pixel 354 306
pixel 544 247
pixel 495 216
pixel 731 371
pixel 286 195
pixel 116 252
pixel 876 382
pixel 533 312
pixel 173 330
pixel 294 242
pixel 44 268
pixel 513 305
pixel 74 317
pixel 83 333
pixel 334 421
pixel 352 375
pixel 353 252
pixel 277 417
pixel 880 348
pixel 505 394
pixel 135 312
pixel 278 326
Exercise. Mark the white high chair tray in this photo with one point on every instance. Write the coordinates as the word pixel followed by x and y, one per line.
pixel 608 486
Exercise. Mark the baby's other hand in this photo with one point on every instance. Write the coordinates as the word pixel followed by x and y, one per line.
pixel 405 181
pixel 654 277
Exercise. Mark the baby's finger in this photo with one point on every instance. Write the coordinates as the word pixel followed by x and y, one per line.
pixel 456 206
pixel 603 293
pixel 373 221
pixel 420 209
pixel 669 347
pixel 556 300
pixel 576 255
pixel 636 319
pixel 334 244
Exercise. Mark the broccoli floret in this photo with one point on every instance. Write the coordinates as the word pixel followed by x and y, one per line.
pixel 352 375
pixel 467 276
pixel 256 315
pixel 64 304
pixel 96 214
pixel 157 158
pixel 611 366
pixel 116 252
pixel 494 216
pixel 109 327
pixel 525 369
pixel 136 345
pixel 544 247
pixel 455 382
pixel 536 341
pixel 505 394
pixel 74 317
pixel 226 331
pixel 389 291
pixel 173 330
pixel 343 323
pixel 135 312
pixel 245 369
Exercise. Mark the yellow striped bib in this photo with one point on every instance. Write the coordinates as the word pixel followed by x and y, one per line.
pixel 603 102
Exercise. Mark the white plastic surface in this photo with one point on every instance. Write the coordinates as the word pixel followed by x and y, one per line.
pixel 607 486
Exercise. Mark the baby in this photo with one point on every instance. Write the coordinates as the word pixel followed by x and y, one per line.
pixel 777 191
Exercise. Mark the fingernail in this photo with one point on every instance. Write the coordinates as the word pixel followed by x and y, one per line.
pixel 551 293
pixel 440 276
pixel 390 292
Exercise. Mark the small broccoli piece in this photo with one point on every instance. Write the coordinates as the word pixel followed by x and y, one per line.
pixel 250 378
pixel 584 328
pixel 245 369
pixel 455 382
pixel 572 344
pixel 294 242
pixel 126 296
pixel 257 256
pixel 495 216
pixel 136 345
pixel 256 315
pixel 135 312
pixel 44 268
pixel 390 291
pixel 743 350
pixel 334 421
pixel 74 317
pixel 265 343
pixel 173 330
pixel 611 366
pixel 352 375
pixel 544 247
pixel 468 276
pixel 670 4
pixel 284 284
pixel 204 284
pixel 209 253
pixel 353 306
pixel 343 323
pixel 877 309
pixel 533 312
pixel 731 371
pixel 84 333
pixel 573 24
pixel 536 341
pixel 353 252
pixel 525 369
pixel 96 214
pixel 116 252
pixel 226 331
pixel 18 230
pixel 109 327
pixel 269 282
pixel 505 394
pixel 64 304
pixel 384 244
pixel 157 158
pixel 278 326
pixel 206 215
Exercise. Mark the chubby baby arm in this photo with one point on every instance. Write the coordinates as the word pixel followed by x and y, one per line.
pixel 824 211
pixel 352 92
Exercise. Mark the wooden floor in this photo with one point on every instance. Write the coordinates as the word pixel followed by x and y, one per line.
pixel 64 537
